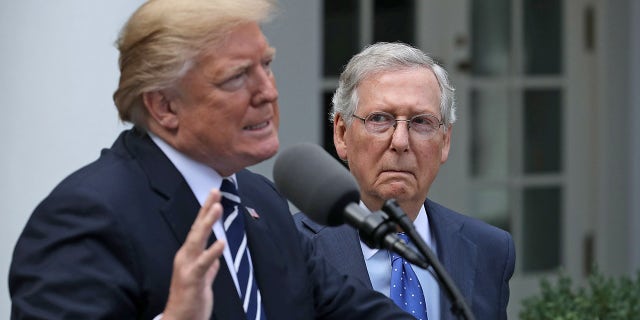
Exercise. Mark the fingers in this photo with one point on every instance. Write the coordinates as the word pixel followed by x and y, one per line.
pixel 195 266
pixel 209 260
pixel 202 227
pixel 211 209
pixel 212 253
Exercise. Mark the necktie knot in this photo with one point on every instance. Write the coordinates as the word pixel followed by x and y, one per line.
pixel 229 192
pixel 230 201
pixel 403 236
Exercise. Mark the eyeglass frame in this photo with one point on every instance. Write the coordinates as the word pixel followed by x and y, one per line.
pixel 395 124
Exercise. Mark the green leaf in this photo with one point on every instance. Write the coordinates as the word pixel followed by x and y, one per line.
pixel 601 298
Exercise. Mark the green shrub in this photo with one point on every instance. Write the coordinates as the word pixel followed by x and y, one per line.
pixel 602 298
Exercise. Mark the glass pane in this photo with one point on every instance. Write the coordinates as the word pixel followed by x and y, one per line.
pixel 491 205
pixel 542 36
pixel 489 134
pixel 340 34
pixel 394 21
pixel 541 229
pixel 542 131
pixel 490 37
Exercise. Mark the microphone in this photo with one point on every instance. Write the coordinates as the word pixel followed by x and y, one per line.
pixel 378 231
pixel 328 194
pixel 315 182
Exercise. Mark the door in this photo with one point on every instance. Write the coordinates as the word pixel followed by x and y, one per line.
pixel 521 150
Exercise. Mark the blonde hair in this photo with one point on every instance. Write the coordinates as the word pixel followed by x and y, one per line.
pixel 161 40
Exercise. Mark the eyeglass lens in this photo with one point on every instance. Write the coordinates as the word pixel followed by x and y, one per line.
pixel 423 124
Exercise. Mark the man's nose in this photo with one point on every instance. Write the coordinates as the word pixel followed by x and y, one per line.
pixel 400 136
pixel 265 90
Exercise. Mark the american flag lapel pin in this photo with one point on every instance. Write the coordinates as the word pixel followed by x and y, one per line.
pixel 253 213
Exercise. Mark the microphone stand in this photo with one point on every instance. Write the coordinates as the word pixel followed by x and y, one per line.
pixel 378 231
pixel 458 305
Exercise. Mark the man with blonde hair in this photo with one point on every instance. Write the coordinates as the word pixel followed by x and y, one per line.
pixel 145 230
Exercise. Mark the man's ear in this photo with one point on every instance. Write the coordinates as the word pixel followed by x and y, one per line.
pixel 339 131
pixel 160 109
pixel 446 144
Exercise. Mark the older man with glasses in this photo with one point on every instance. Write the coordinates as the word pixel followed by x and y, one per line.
pixel 393 114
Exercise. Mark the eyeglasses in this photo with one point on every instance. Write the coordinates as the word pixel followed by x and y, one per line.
pixel 424 125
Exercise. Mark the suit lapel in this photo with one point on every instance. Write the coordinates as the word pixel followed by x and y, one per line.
pixel 341 248
pixel 456 253
pixel 227 304
pixel 179 211
pixel 265 253
pixel 180 207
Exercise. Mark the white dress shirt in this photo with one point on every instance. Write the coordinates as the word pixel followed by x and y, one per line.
pixel 201 179
pixel 378 263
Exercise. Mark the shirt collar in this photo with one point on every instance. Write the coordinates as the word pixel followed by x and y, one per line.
pixel 421 223
pixel 200 178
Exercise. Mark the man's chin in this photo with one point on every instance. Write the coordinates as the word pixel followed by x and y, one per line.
pixel 264 151
pixel 396 190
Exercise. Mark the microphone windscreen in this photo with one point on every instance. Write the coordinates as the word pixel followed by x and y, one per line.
pixel 315 182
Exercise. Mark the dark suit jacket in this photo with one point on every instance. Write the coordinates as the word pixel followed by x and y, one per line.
pixel 101 246
pixel 479 258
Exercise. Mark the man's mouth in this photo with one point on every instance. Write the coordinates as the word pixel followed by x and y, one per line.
pixel 258 126
pixel 397 172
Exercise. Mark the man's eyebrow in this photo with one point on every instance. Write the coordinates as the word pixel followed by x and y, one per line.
pixel 270 52
pixel 233 69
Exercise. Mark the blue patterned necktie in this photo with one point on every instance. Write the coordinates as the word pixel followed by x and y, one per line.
pixel 233 221
pixel 406 290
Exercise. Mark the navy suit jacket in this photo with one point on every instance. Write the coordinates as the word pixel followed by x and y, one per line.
pixel 102 244
pixel 479 258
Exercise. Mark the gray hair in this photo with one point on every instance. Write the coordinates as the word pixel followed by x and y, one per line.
pixel 381 57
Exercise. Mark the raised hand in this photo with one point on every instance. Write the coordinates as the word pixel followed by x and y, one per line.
pixel 195 267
